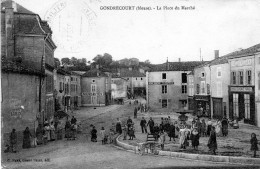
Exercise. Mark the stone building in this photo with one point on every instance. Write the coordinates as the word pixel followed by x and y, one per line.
pixel 27 38
pixel 20 98
pixel 166 86
pixel 75 90
pixel 244 88
pixel 96 88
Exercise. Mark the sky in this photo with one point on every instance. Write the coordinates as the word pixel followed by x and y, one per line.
pixel 82 29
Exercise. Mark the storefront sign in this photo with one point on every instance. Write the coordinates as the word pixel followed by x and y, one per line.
pixel 205 98
pixel 16 108
pixel 240 63
pixel 241 89
pixel 160 83
pixel 92 94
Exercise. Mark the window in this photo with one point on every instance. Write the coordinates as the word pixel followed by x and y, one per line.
pixel 219 72
pixel 71 79
pixel 241 77
pixel 184 77
pixel 93 88
pixel 233 78
pixel 202 87
pixel 163 75
pixel 184 89
pixel 208 89
pixel 164 103
pixel 247 106
pixel 235 104
pixel 164 89
pixel 141 78
pixel 248 77
pixel 136 78
pixel 93 81
pixel 198 89
pixel 202 74
pixel 183 103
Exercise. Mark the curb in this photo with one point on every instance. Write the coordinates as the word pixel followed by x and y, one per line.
pixel 202 157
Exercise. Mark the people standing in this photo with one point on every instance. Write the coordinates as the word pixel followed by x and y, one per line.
pixel 224 124
pixel 171 133
pixel 131 133
pixel 162 139
pixel 195 138
pixel 135 113
pixel 143 125
pixel 94 134
pixel 124 131
pixel 156 132
pixel 129 123
pixel 212 143
pixel 151 125
pixel 209 127
pixel 67 129
pixel 47 130
pixel 254 142
pixel 59 131
pixel 203 128
pixel 13 141
pixel 118 126
pixel 73 120
pixel 27 138
pixel 103 133
pixel 39 134
pixel 52 132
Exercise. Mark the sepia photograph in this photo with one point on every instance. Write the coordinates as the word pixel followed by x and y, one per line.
pixel 111 84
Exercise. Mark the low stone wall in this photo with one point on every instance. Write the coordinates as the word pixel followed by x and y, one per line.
pixel 203 157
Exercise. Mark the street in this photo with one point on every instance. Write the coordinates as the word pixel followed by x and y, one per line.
pixel 82 153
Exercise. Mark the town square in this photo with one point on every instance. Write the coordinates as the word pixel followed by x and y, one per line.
pixel 95 84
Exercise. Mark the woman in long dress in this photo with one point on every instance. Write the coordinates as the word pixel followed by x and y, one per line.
pixel 118 126
pixel 172 132
pixel 224 124
pixel 195 138
pixel 27 138
pixel 52 132
pixel 212 143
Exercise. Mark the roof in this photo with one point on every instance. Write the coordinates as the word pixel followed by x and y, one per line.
pixel 94 73
pixel 16 67
pixel 177 66
pixel 79 72
pixel 75 73
pixel 245 52
pixel 19 8
pixel 131 73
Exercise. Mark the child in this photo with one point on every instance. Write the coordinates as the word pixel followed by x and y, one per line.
pixel 131 133
pixel 162 139
pixel 111 136
pixel 125 132
pixel 102 133
pixel 254 143
pixel 195 138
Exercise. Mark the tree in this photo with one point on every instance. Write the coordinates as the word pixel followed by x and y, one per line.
pixel 65 61
pixel 56 62
pixel 107 59
pixel 74 61
pixel 147 61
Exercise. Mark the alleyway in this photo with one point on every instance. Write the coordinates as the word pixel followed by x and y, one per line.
pixel 82 153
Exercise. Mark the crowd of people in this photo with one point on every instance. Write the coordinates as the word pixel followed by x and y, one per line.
pixel 46 132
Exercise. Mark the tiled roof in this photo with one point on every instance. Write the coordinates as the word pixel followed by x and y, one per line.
pixel 20 9
pixel 245 52
pixel 177 66
pixel 10 66
pixel 94 73
pixel 131 73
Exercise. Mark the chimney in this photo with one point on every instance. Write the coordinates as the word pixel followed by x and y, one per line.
pixel 179 59
pixel 9 18
pixel 167 64
pixel 216 54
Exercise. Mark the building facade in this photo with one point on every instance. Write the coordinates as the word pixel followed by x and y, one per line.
pixel 96 88
pixel 75 90
pixel 166 87
pixel 59 92
pixel 27 38
pixel 244 85
pixel 118 88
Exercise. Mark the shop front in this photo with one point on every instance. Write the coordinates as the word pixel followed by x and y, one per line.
pixel 202 105
pixel 242 103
